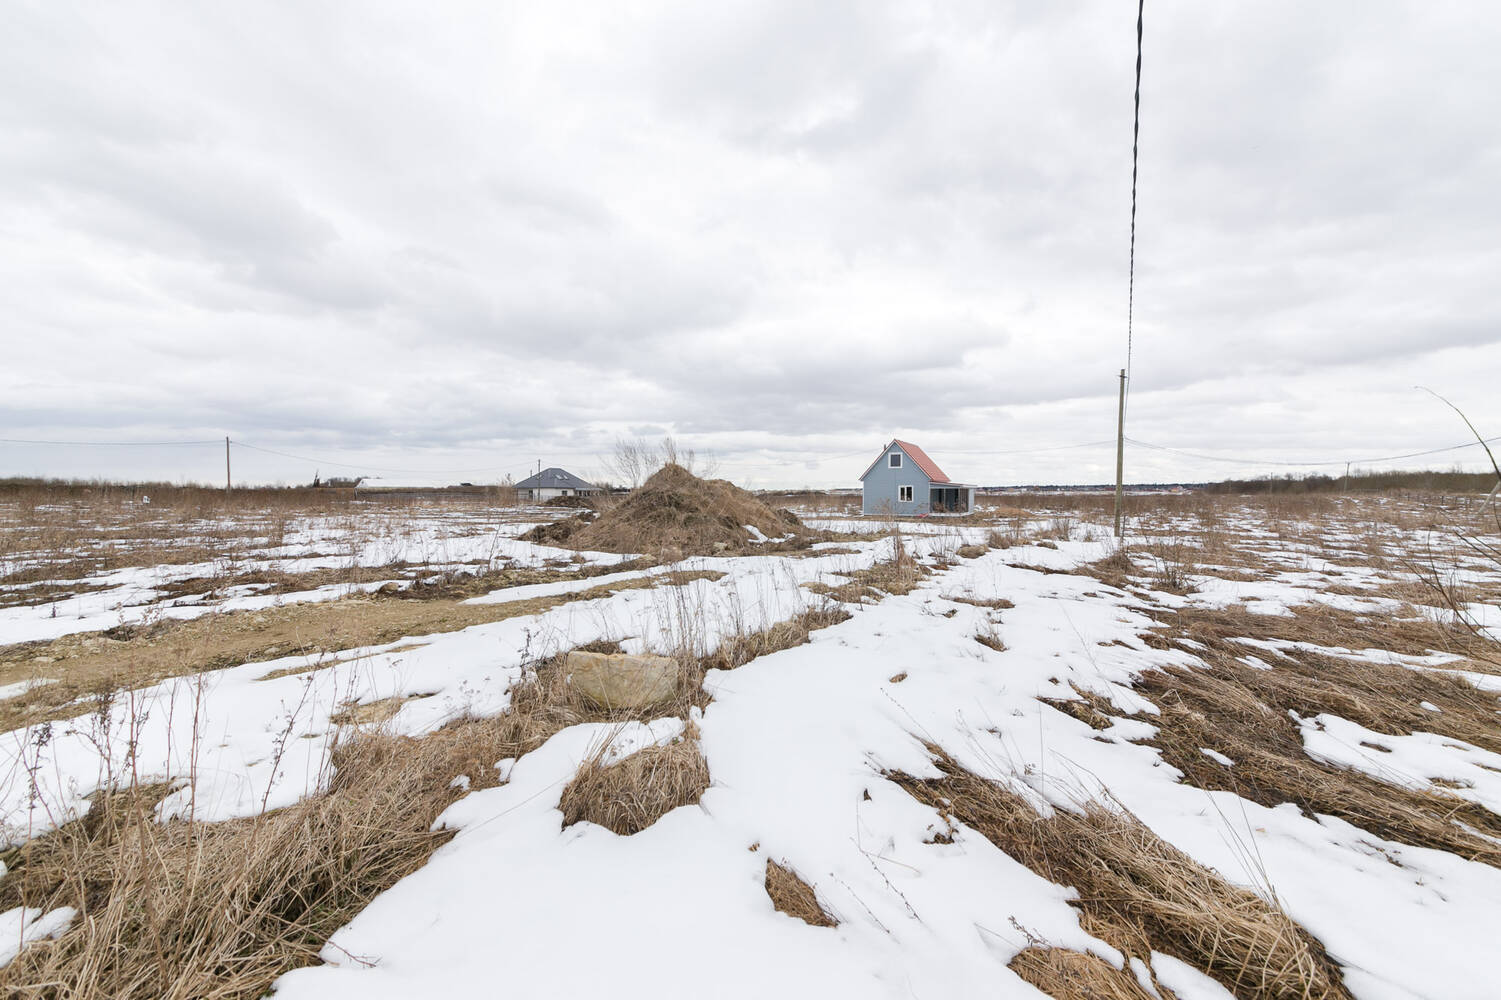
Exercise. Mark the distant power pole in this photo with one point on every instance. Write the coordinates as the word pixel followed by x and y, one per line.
pixel 1120 454
pixel 226 463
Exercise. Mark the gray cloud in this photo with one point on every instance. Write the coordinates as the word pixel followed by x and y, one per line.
pixel 472 235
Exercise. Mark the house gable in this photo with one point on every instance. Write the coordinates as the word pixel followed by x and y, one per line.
pixel 911 452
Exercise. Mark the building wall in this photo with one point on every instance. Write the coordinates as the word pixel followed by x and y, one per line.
pixel 548 492
pixel 879 495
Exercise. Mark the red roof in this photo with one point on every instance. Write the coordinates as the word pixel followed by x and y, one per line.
pixel 927 465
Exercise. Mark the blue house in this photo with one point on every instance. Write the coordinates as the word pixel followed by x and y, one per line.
pixel 903 480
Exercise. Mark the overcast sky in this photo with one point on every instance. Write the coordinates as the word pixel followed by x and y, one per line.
pixel 446 236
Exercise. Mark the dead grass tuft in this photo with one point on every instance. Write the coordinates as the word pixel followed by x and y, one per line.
pixel 630 795
pixel 994 603
pixel 991 640
pixel 1137 891
pixel 739 650
pixel 1077 975
pixel 1089 707
pixel 793 896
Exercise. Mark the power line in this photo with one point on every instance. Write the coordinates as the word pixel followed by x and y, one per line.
pixel 1318 462
pixel 378 468
pixel 1035 451
pixel 113 444
pixel 1141 7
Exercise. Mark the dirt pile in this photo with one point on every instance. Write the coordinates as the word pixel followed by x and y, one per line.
pixel 674 511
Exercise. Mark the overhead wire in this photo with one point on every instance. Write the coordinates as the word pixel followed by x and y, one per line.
pixel 114 444
pixel 1317 462
pixel 376 468
pixel 1141 8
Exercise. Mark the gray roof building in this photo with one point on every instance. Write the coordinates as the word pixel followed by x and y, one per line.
pixel 557 482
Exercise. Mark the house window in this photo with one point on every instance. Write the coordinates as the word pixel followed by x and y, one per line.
pixel 904 494
pixel 896 459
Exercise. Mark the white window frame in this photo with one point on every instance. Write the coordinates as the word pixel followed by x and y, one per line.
pixel 904 494
pixel 894 460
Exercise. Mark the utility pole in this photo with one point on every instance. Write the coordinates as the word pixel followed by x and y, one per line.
pixel 1120 454
pixel 226 463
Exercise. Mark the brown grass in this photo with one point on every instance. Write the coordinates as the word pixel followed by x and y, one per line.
pixel 1091 708
pixel 220 910
pixel 738 650
pixel 995 603
pixel 630 795
pixel 1077 975
pixel 86 665
pixel 1138 892
pixel 991 640
pixel 795 897
pixel 895 576
pixel 1241 712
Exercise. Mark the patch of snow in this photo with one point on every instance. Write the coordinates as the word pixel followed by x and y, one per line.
pixel 22 925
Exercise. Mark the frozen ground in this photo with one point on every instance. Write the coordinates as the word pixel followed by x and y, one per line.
pixel 797 743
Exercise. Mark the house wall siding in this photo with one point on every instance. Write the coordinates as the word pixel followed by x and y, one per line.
pixel 879 487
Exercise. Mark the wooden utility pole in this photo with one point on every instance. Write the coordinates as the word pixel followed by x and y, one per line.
pixel 1120 454
pixel 226 463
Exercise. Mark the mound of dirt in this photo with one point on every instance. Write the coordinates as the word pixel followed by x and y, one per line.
pixel 676 510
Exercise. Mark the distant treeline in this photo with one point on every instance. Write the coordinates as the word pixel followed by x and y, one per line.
pixel 1424 480
pixel 29 489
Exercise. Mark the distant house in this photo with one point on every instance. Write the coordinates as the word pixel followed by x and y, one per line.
pixel 903 480
pixel 551 483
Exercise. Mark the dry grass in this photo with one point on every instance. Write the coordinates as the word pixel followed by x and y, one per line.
pixel 1242 712
pixel 990 639
pixel 895 576
pixel 994 603
pixel 87 665
pixel 1091 708
pixel 738 650
pixel 1077 975
pixel 630 795
pixel 1138 892
pixel 795 897
pixel 220 910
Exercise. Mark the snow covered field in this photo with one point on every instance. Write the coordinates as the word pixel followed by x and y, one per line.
pixel 1022 651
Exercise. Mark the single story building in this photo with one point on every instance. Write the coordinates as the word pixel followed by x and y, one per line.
pixel 904 481
pixel 554 482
